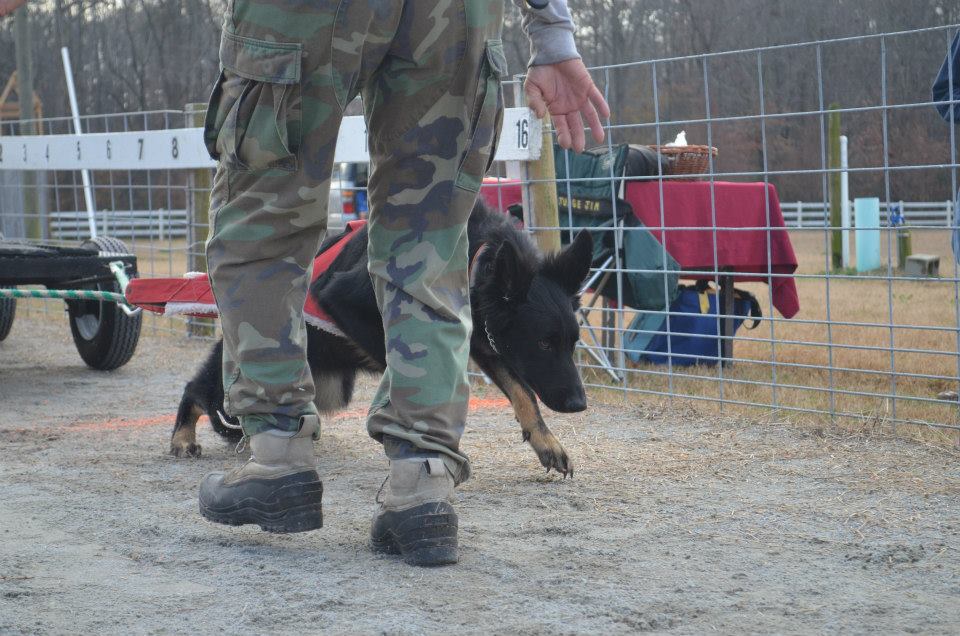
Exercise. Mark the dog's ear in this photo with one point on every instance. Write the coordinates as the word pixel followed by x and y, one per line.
pixel 571 266
pixel 510 276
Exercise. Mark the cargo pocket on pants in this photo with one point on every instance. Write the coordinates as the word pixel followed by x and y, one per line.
pixel 253 120
pixel 486 118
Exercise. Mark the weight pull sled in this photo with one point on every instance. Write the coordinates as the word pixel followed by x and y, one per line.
pixel 192 295
pixel 91 279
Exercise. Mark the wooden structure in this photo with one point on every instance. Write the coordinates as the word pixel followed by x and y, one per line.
pixel 10 110
pixel 9 6
pixel 28 105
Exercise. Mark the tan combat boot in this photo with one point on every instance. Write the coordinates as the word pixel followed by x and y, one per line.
pixel 278 488
pixel 416 518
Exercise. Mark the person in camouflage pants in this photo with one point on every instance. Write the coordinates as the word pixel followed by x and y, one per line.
pixel 430 73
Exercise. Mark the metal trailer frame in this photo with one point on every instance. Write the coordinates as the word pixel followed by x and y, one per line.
pixel 90 279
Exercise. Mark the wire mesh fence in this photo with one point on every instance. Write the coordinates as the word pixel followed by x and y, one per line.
pixel 873 334
pixel 145 209
pixel 860 318
pixel 159 214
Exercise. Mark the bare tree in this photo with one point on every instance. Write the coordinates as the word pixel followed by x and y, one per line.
pixel 131 55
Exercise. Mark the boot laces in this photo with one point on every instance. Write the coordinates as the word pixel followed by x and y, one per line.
pixel 242 444
pixel 380 492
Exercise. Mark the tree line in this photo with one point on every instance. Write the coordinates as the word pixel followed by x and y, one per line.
pixel 136 55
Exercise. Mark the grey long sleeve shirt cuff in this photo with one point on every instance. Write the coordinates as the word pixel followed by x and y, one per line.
pixel 550 28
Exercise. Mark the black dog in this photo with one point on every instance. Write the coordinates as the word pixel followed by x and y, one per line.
pixel 525 330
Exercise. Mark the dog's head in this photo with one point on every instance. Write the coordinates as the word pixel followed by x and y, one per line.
pixel 528 308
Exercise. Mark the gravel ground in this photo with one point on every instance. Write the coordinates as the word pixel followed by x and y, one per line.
pixel 675 522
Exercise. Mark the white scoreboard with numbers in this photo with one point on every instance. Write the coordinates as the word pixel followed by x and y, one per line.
pixel 183 148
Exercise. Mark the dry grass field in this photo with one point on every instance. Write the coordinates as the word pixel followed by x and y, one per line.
pixel 766 356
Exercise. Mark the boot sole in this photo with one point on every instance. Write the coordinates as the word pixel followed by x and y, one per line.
pixel 291 508
pixel 425 535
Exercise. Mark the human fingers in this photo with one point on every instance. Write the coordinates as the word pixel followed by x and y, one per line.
pixel 593 120
pixel 563 131
pixel 596 98
pixel 535 100
pixel 575 123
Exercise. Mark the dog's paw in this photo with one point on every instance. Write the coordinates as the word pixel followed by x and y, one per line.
pixel 185 449
pixel 551 453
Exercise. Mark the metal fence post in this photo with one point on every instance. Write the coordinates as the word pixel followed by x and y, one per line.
pixel 836 202
pixel 845 202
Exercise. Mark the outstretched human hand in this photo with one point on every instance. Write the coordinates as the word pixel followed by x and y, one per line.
pixel 567 91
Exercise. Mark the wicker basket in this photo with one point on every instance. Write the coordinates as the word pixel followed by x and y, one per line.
pixel 687 160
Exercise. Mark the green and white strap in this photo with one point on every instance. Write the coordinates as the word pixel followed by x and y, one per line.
pixel 119 273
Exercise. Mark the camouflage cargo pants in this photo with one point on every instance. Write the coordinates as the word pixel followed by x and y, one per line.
pixel 429 72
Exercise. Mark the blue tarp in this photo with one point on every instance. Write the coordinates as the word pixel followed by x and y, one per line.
pixel 946 90
pixel 693 339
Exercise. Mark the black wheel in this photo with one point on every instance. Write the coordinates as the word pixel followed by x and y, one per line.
pixel 105 336
pixel 8 309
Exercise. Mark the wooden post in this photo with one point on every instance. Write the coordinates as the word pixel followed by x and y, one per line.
pixel 31 212
pixel 198 201
pixel 545 210
pixel 836 198
pixel 198 218
pixel 540 207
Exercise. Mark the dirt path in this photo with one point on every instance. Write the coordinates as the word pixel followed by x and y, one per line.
pixel 673 523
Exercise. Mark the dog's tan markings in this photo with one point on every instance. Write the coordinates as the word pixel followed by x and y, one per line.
pixel 549 450
pixel 184 440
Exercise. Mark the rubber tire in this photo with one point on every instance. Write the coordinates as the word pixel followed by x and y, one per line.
pixel 112 340
pixel 8 309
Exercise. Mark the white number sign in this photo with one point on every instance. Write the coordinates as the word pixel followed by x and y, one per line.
pixel 182 148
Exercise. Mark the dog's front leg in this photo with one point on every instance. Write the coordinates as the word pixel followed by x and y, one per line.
pixel 535 430
pixel 183 442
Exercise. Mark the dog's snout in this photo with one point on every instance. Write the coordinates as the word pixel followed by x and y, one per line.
pixel 575 404
pixel 566 400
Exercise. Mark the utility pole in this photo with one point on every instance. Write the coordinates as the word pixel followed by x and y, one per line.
pixel 24 51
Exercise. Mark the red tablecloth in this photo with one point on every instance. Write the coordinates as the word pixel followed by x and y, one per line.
pixel 500 194
pixel 688 204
